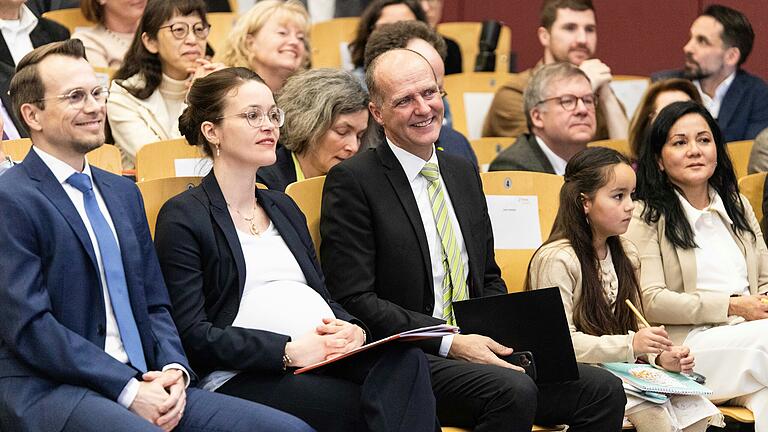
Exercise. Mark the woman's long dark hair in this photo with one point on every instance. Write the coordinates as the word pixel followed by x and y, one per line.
pixel 658 192
pixel 585 174
pixel 138 60
pixel 368 19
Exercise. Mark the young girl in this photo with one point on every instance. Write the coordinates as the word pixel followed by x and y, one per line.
pixel 596 271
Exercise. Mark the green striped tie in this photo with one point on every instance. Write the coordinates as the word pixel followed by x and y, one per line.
pixel 454 282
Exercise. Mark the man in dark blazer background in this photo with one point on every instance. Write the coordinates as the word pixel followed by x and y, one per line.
pixel 31 29
pixel 720 43
pixel 560 110
pixel 383 259
pixel 87 342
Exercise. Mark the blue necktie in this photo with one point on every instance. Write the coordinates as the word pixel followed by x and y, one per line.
pixel 113 269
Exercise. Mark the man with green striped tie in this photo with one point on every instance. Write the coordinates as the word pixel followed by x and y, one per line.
pixel 405 233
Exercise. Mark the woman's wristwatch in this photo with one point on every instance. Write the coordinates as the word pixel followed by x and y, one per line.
pixel 286 361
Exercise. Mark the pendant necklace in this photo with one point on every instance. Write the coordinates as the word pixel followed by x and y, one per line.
pixel 251 220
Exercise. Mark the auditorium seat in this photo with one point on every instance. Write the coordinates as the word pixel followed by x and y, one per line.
pixel 487 148
pixel 470 95
pixel 539 194
pixel 156 192
pixel 169 158
pixel 467 36
pixel 620 145
pixel 739 152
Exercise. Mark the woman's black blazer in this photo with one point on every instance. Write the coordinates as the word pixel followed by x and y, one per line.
pixel 204 270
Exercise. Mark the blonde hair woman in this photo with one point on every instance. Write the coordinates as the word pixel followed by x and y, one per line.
pixel 270 39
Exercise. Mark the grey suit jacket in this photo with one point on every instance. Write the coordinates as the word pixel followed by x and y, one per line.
pixel 524 155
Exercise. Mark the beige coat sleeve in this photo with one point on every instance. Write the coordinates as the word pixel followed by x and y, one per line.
pixel 665 301
pixel 132 123
pixel 557 265
pixel 506 117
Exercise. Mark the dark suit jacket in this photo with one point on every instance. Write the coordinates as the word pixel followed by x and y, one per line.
pixel 204 269
pixel 744 110
pixel 54 319
pixel 453 142
pixel 524 155
pixel 375 252
pixel 46 31
pixel 280 174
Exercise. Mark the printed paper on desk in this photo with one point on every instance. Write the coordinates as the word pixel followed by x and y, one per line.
pixel 515 221
pixel 192 167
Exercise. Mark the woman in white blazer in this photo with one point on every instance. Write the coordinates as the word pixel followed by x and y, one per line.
pixel 704 264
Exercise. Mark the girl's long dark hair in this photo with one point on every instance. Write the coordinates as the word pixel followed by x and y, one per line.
pixel 585 174
pixel 138 60
pixel 658 192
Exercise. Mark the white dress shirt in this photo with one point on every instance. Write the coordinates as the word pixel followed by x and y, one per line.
pixel 558 163
pixel 720 265
pixel 713 103
pixel 412 166
pixel 113 344
pixel 16 33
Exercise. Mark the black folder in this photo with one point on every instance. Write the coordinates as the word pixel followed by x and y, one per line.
pixel 525 321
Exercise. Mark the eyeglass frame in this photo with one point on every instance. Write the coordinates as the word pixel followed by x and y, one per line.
pixel 188 28
pixel 264 115
pixel 559 99
pixel 81 104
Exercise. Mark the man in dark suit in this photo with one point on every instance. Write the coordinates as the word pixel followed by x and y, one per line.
pixel 721 40
pixel 389 262
pixel 87 342
pixel 560 111
pixel 30 32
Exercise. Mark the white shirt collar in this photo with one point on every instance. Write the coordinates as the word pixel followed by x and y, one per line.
pixel 558 163
pixel 716 205
pixel 411 163
pixel 26 23
pixel 713 103
pixel 60 169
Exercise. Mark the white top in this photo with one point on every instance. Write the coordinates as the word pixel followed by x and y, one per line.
pixel 16 33
pixel 8 126
pixel 720 265
pixel 276 296
pixel 321 10
pixel 412 166
pixel 713 103
pixel 558 163
pixel 113 344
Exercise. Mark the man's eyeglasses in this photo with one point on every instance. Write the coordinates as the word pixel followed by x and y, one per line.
pixel 76 98
pixel 569 101
pixel 256 117
pixel 180 30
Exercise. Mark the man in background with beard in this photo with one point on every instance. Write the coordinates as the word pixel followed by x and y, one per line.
pixel 721 40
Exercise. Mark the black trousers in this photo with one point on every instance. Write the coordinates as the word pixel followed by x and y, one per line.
pixel 490 398
pixel 384 389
